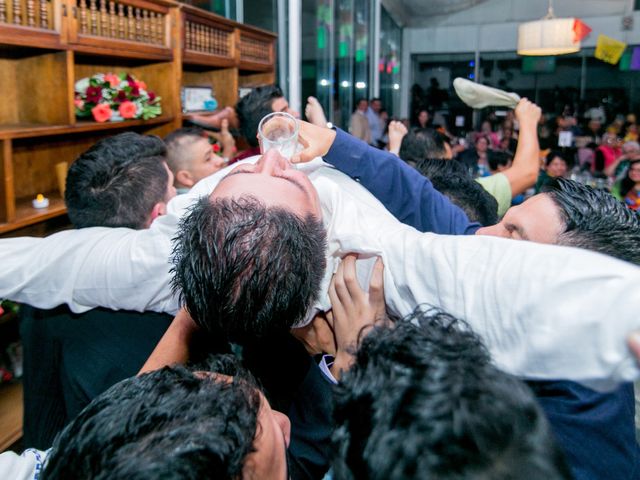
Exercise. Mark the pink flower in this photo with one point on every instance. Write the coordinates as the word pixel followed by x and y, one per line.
pixel 101 112
pixel 78 103
pixel 113 80
pixel 141 84
pixel 127 109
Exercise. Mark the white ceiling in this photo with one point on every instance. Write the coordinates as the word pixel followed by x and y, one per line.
pixel 413 13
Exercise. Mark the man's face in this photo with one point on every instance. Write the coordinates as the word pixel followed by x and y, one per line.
pixel 362 105
pixel 557 167
pixel 537 220
pixel 273 433
pixel 376 105
pixel 282 105
pixel 273 181
pixel 203 162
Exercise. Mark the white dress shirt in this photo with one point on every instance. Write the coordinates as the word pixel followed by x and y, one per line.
pixel 543 311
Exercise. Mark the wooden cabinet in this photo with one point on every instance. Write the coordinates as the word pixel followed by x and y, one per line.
pixel 47 45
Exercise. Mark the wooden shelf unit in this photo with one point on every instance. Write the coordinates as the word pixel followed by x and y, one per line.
pixel 10 414
pixel 54 43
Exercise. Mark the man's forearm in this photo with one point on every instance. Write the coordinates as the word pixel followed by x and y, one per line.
pixel 173 347
pixel 526 162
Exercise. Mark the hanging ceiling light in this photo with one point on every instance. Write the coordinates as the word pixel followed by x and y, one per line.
pixel 548 36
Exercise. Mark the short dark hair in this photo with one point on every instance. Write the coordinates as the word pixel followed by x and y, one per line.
pixel 452 179
pixel 253 107
pixel 496 159
pixel 595 220
pixel 171 423
pixel 176 141
pixel 247 269
pixel 421 143
pixel 553 154
pixel 117 182
pixel 424 401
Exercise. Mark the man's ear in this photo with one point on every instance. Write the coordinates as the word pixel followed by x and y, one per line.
pixel 184 178
pixel 158 210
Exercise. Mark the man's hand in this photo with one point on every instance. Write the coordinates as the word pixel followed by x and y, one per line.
pixel 317 337
pixel 527 112
pixel 314 112
pixel 227 142
pixel 316 142
pixel 354 310
pixel 397 131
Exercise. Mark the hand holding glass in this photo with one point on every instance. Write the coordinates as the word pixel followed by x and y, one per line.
pixel 279 131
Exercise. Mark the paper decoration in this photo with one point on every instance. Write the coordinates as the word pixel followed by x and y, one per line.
pixel 609 49
pixel 580 30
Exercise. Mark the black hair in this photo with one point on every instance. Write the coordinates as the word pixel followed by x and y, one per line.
pixel 117 182
pixel 253 107
pixel 553 154
pixel 424 401
pixel 421 143
pixel 247 269
pixel 452 179
pixel 496 159
pixel 595 220
pixel 171 424
pixel 626 184
pixel 175 143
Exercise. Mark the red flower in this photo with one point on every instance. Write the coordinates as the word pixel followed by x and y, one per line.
pixel 152 96
pixel 101 112
pixel 94 94
pixel 135 91
pixel 121 97
pixel 127 109
pixel 216 147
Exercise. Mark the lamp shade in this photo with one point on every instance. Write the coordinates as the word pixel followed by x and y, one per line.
pixel 549 36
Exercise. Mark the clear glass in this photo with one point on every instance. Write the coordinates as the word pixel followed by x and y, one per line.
pixel 279 131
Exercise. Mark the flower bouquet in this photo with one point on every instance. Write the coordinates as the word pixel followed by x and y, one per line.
pixel 107 96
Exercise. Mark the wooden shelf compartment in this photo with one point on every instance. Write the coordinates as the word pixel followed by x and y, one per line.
pixel 252 79
pixel 11 414
pixel 35 87
pixel 158 76
pixel 256 49
pixel 27 215
pixel 122 28
pixel 38 26
pixel 223 81
pixel 208 39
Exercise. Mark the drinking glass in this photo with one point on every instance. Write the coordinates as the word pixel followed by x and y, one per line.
pixel 278 130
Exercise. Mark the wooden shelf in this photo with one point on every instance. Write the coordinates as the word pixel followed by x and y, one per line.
pixel 30 130
pixel 27 215
pixel 11 412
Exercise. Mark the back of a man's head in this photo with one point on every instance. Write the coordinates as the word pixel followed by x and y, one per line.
pixel 423 401
pixel 177 143
pixel 595 220
pixel 170 424
pixel 252 107
pixel 117 182
pixel 247 269
pixel 452 179
pixel 421 143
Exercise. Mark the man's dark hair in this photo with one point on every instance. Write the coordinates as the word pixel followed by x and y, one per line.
pixel 595 220
pixel 176 141
pixel 424 401
pixel 117 182
pixel 247 269
pixel 452 179
pixel 253 107
pixel 171 424
pixel 496 159
pixel 421 143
